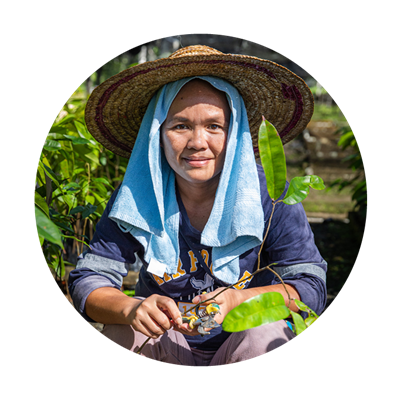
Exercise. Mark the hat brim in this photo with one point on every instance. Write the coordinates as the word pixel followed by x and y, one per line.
pixel 116 108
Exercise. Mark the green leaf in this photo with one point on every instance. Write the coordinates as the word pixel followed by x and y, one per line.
pixel 41 203
pixel 90 199
pixel 46 228
pixel 103 181
pixel 129 293
pixel 73 186
pixel 77 140
pixel 52 145
pixel 81 128
pixel 259 310
pixel 77 210
pixel 272 158
pixel 89 209
pixel 303 307
pixel 299 323
pixel 48 171
pixel 55 136
pixel 68 199
pixel 87 154
pixel 58 130
pixel 346 140
pixel 68 118
pixel 299 188
pixel 309 320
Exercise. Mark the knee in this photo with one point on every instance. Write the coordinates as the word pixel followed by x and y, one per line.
pixel 124 335
pixel 260 340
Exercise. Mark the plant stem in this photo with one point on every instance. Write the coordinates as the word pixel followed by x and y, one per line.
pixel 141 347
pixel 266 234
pixel 283 283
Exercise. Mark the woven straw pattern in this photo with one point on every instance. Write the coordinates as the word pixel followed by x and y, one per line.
pixel 115 108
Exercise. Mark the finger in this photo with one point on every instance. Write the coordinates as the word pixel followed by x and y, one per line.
pixel 186 330
pixel 169 306
pixel 153 321
pixel 203 298
pixel 143 328
pixel 160 319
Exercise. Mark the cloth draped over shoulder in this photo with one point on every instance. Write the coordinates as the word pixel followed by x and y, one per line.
pixel 147 208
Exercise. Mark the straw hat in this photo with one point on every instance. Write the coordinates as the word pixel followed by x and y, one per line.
pixel 116 107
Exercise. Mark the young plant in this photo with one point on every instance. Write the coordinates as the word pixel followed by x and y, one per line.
pixel 270 307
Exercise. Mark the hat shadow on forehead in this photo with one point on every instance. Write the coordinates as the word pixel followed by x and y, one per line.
pixel 116 108
pixel 200 91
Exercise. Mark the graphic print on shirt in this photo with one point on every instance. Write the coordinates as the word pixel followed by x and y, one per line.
pixel 193 268
pixel 199 282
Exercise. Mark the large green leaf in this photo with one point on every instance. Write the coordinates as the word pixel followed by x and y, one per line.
pixel 41 203
pixel 49 172
pixel 259 310
pixel 299 323
pixel 299 188
pixel 272 158
pixel 46 228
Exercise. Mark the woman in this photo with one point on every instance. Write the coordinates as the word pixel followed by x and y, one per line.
pixel 193 206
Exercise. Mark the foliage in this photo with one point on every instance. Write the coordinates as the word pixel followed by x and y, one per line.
pixel 264 309
pixel 75 178
pixel 358 183
pixel 271 307
pixel 129 293
pixel 273 162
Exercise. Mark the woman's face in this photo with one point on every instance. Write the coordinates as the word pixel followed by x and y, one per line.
pixel 194 134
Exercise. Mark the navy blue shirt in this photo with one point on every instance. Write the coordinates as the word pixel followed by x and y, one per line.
pixel 290 244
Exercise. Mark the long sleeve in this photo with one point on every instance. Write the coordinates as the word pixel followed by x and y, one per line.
pixel 111 255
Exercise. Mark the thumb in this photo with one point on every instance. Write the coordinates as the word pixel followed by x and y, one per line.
pixel 201 297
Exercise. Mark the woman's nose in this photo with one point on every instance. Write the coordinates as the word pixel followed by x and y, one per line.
pixel 197 140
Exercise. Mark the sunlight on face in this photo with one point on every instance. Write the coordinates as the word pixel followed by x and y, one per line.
pixel 194 134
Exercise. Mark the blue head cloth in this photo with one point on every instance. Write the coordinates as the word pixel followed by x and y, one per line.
pixel 146 204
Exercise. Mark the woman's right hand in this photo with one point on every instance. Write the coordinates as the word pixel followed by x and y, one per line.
pixel 154 315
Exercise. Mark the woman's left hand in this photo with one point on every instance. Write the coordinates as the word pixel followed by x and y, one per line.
pixel 227 301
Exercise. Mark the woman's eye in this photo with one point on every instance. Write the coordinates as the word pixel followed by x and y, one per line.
pixel 180 127
pixel 214 127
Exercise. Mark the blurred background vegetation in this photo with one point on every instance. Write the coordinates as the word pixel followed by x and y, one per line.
pixel 76 175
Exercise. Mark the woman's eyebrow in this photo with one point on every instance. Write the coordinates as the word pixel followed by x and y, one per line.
pixel 178 119
pixel 207 120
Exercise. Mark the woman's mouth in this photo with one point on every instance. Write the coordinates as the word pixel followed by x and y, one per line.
pixel 197 162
